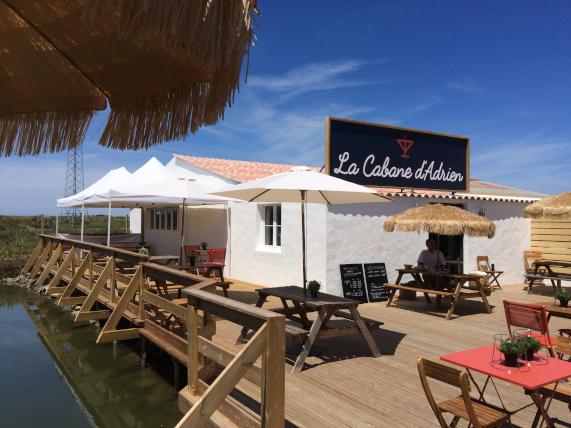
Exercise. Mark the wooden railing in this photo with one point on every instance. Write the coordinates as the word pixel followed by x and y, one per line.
pixel 268 342
pixel 120 281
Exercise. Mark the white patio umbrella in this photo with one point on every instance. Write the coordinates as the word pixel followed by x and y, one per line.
pixel 302 185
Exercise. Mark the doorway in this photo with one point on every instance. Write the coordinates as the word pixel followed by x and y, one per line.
pixel 452 246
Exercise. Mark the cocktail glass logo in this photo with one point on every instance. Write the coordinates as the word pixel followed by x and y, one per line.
pixel 405 145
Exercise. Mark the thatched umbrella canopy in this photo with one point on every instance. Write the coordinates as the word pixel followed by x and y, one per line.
pixel 441 219
pixel 555 207
pixel 163 68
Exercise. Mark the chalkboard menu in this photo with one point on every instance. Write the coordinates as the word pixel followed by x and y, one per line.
pixel 379 155
pixel 353 282
pixel 376 278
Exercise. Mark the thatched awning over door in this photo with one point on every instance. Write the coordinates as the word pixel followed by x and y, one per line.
pixel 441 219
pixel 164 68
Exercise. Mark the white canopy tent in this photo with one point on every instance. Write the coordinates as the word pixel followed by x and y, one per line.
pixel 150 185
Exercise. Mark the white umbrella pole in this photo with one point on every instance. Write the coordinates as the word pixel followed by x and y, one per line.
pixel 82 219
pixel 303 240
pixel 57 221
pixel 228 240
pixel 182 232
pixel 109 225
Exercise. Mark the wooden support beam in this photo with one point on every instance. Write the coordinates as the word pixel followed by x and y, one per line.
pixel 40 261
pixel 67 301
pixel 109 331
pixel 116 335
pixel 62 268
pixel 92 297
pixel 33 256
pixel 92 315
pixel 193 360
pixel 167 305
pixel 51 263
pixel 75 279
pixel 200 412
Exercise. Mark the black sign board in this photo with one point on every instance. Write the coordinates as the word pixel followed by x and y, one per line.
pixel 353 282
pixel 387 156
pixel 376 278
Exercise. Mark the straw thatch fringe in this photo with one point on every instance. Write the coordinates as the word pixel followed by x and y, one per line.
pixel 214 34
pixel 441 228
pixel 441 219
pixel 212 30
pixel 167 116
pixel 556 207
pixel 41 132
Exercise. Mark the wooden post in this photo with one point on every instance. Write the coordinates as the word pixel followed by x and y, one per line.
pixel 112 279
pixel 273 366
pixel 192 329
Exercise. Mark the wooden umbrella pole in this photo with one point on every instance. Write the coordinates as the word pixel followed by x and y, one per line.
pixel 303 240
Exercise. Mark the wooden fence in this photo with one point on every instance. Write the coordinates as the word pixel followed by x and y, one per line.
pixel 110 284
pixel 552 238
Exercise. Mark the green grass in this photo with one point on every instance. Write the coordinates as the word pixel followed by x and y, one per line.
pixel 19 235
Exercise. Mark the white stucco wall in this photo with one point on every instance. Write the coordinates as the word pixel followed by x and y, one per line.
pixel 355 235
pixel 135 220
pixel 253 262
pixel 202 223
pixel 505 250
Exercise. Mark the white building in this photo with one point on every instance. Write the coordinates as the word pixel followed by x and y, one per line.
pixel 264 242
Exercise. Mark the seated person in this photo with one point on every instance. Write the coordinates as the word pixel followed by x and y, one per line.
pixel 431 258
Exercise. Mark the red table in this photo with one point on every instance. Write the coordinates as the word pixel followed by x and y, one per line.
pixel 530 378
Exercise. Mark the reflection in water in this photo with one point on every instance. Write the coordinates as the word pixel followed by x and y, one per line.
pixel 109 388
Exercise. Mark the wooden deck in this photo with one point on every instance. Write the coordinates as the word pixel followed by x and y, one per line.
pixel 341 384
pixel 344 386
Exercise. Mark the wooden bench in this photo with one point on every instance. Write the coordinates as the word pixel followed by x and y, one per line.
pixel 296 333
pixel 461 292
pixel 555 279
pixel 420 290
pixel 371 324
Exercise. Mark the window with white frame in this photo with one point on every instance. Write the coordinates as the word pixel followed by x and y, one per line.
pixel 273 225
pixel 164 218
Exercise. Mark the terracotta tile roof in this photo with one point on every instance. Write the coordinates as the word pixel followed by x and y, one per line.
pixel 238 170
pixel 241 171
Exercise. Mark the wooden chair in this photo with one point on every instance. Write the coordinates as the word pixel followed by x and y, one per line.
pixel 533 318
pixel 190 250
pixel 479 414
pixel 483 264
pixel 217 256
pixel 529 258
pixel 562 390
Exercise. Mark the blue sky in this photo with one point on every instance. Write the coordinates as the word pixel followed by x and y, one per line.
pixel 497 72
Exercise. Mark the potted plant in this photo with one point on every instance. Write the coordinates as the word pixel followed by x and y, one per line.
pixel 563 296
pixel 203 245
pixel 144 251
pixel 512 349
pixel 313 287
pixel 530 347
